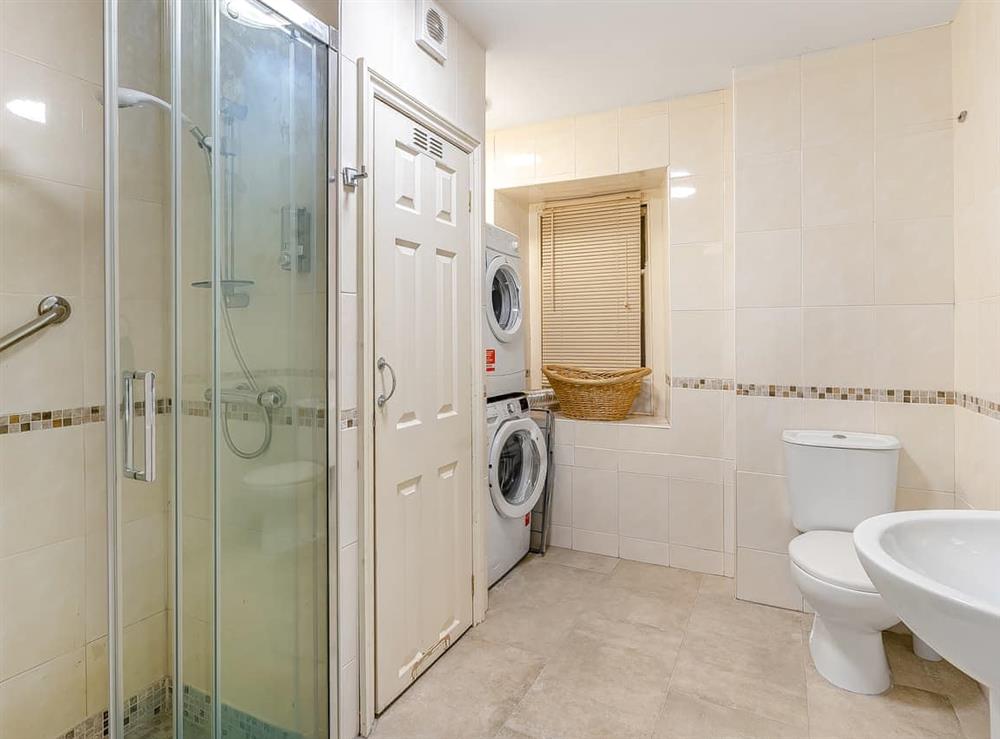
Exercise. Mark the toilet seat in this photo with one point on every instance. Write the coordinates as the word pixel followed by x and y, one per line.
pixel 830 556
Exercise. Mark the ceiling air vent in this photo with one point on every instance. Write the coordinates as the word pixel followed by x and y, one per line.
pixel 432 29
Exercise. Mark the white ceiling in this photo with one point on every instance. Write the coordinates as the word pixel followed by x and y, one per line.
pixel 552 58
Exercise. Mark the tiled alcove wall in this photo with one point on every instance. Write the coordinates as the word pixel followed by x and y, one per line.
pixel 844 274
pixel 648 491
pixel 976 88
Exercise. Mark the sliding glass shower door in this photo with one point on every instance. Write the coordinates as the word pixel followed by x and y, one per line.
pixel 217 326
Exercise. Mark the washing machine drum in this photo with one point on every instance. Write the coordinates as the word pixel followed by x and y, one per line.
pixel 518 463
pixel 504 294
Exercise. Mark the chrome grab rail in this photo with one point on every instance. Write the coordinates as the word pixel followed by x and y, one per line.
pixel 53 309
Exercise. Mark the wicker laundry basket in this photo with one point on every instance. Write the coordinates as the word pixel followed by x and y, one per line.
pixel 595 396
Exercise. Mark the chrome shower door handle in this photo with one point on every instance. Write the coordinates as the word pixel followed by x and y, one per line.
pixel 382 399
pixel 148 472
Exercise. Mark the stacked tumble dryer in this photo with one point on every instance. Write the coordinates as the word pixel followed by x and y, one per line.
pixel 516 449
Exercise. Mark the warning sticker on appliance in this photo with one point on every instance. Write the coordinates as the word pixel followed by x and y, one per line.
pixel 491 360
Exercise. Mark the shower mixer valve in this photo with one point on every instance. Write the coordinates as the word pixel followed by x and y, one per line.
pixel 272 397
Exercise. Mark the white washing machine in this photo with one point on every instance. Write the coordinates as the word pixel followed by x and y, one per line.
pixel 503 315
pixel 518 462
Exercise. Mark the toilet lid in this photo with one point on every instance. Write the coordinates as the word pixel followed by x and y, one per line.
pixel 830 556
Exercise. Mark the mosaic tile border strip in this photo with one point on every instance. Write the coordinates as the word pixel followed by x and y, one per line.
pixel 236 724
pixel 981 406
pixel 15 422
pixel 349 418
pixel 141 710
pixel 833 392
pixel 702 383
pixel 285 416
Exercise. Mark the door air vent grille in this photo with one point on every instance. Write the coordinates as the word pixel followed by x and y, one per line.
pixel 425 142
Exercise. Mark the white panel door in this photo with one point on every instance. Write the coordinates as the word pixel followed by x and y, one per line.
pixel 423 431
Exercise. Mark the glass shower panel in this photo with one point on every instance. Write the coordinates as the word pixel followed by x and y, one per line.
pixel 271 329
pixel 144 372
pixel 218 311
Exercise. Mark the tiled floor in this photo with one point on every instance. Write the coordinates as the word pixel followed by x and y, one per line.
pixel 578 646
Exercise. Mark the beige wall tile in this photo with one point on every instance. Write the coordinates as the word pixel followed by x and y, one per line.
pixel 144 568
pixel 838 346
pixel 43 602
pixel 47 700
pixel 701 344
pixel 838 265
pixel 641 550
pixel 915 347
pixel 915 261
pixel 42 372
pixel 42 239
pixel 63 34
pixel 760 422
pixel 98 689
pixel 767 100
pixel 643 138
pixel 769 345
pixel 696 277
pixel 643 507
pixel 144 652
pixel 596 434
pixel 768 191
pixel 763 515
pixel 912 79
pixel 597 144
pixel 554 150
pixel 837 95
pixel 595 459
pixel 839 415
pixel 42 503
pixel 562 496
pixel 595 542
pixel 696 205
pixel 54 147
pixel 764 577
pixel 913 175
pixel 595 500
pixel 838 184
pixel 698 560
pixel 696 141
pixel 927 433
pixel 696 514
pixel 696 417
pixel 768 269
pixel 514 156
pixel 908 499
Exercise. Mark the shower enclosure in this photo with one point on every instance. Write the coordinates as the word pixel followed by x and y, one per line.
pixel 218 118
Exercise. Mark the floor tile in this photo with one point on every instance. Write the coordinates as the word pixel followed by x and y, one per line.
pixel 687 717
pixel 901 712
pixel 647 578
pixel 580 560
pixel 466 694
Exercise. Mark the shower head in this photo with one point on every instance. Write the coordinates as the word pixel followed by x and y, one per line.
pixel 131 98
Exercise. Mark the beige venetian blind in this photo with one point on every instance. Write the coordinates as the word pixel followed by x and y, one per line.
pixel 592 283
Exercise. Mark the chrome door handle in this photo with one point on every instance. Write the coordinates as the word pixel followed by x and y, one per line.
pixel 382 399
pixel 148 473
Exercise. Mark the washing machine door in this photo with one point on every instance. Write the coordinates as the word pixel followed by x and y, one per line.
pixel 518 463
pixel 503 293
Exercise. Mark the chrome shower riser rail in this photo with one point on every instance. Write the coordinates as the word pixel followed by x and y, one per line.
pixel 53 309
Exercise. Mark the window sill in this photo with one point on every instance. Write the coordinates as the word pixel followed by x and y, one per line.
pixel 633 420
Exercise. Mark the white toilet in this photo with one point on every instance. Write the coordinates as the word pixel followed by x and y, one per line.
pixel 835 481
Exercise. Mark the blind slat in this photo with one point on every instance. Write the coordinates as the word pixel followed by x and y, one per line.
pixel 592 284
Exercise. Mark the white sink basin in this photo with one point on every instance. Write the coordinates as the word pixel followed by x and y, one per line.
pixel 940 572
